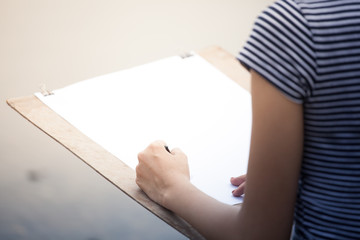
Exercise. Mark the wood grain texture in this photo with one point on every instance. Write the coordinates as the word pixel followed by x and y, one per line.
pixel 106 164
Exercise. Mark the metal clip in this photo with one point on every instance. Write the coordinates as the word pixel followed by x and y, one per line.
pixel 44 91
pixel 186 55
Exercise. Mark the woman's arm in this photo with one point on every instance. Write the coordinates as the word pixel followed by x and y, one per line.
pixel 271 184
pixel 274 163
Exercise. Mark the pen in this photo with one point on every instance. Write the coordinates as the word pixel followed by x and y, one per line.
pixel 167 148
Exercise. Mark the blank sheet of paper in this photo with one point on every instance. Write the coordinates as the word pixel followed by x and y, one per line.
pixel 187 102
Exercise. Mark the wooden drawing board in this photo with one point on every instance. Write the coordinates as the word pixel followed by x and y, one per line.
pixel 107 165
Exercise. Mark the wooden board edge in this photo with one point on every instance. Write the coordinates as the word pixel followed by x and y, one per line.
pixel 125 181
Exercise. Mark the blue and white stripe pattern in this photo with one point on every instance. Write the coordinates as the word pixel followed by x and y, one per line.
pixel 310 51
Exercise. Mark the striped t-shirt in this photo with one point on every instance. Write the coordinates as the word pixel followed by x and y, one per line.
pixel 310 51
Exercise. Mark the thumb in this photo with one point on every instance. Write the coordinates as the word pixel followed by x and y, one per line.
pixel 177 152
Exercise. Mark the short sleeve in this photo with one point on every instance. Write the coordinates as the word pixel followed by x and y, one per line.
pixel 280 49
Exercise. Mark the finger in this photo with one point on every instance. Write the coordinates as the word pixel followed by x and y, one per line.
pixel 239 190
pixel 236 181
pixel 141 156
pixel 167 149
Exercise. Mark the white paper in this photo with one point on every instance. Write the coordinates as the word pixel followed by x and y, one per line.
pixel 187 103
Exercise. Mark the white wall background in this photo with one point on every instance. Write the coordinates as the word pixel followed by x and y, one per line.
pixel 45 191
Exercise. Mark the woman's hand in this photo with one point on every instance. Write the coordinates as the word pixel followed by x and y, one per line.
pixel 159 172
pixel 240 183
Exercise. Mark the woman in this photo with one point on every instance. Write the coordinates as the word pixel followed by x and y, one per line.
pixel 304 163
